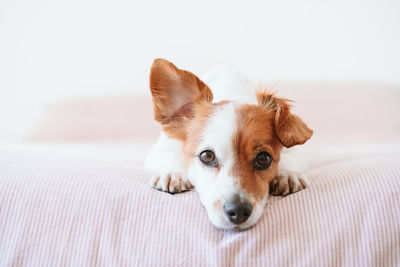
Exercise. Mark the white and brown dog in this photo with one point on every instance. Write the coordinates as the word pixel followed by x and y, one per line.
pixel 228 143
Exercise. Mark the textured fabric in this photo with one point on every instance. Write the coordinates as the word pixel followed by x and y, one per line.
pixel 62 209
pixel 91 205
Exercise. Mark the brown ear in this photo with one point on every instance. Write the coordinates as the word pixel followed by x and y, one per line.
pixel 175 91
pixel 289 128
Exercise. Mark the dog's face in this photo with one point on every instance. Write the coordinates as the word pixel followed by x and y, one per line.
pixel 231 150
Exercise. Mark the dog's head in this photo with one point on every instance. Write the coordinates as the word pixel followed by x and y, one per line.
pixel 231 150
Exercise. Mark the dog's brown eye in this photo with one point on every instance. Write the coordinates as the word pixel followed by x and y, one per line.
pixel 262 161
pixel 207 157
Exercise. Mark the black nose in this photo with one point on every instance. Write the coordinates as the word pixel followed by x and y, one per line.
pixel 238 211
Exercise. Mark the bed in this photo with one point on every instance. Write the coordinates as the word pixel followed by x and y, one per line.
pixel 75 192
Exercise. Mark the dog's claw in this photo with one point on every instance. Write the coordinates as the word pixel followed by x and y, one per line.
pixel 171 182
pixel 288 183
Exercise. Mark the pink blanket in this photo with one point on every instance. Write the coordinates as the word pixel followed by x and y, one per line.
pixel 62 209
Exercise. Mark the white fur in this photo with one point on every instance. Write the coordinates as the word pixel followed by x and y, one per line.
pixel 166 159
pixel 290 176
pixel 165 155
pixel 228 83
pixel 166 162
pixel 292 160
pixel 211 185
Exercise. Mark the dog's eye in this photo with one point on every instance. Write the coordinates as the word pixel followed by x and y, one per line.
pixel 207 157
pixel 262 161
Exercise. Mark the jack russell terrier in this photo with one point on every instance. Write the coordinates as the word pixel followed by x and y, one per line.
pixel 227 139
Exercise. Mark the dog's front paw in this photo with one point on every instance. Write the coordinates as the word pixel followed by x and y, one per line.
pixel 286 183
pixel 173 183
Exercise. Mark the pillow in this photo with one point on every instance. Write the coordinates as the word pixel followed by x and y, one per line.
pixel 339 113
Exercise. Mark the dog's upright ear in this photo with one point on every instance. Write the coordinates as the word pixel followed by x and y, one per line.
pixel 289 128
pixel 175 91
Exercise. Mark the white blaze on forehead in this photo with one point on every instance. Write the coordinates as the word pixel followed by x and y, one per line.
pixel 217 136
pixel 219 132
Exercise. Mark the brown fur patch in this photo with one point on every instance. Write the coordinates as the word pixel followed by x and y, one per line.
pixel 289 128
pixel 255 133
pixel 175 92
pixel 176 129
pixel 202 112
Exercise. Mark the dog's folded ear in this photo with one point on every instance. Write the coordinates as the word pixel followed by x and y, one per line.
pixel 175 91
pixel 289 128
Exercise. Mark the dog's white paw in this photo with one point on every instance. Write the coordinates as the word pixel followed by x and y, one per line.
pixel 173 183
pixel 288 183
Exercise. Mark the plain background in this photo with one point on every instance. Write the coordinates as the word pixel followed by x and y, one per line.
pixel 54 50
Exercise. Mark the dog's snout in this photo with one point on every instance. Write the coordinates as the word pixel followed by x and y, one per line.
pixel 238 211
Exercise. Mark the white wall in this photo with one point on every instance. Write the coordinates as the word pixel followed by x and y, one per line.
pixel 54 49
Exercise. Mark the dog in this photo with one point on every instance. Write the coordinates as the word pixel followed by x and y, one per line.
pixel 233 144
